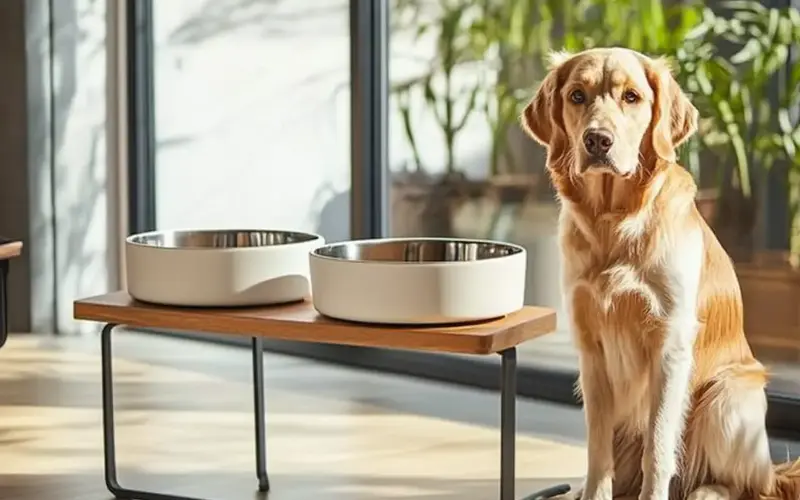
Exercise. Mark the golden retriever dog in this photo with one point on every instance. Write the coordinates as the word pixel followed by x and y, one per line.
pixel 674 399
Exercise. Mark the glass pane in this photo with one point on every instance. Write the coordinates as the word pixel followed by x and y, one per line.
pixel 460 165
pixel 253 114
pixel 461 72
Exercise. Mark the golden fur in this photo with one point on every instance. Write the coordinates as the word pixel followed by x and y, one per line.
pixel 674 398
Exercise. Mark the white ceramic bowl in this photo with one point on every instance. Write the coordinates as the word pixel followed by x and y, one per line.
pixel 211 268
pixel 418 280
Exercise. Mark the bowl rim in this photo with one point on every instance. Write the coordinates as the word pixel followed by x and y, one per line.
pixel 314 237
pixel 520 251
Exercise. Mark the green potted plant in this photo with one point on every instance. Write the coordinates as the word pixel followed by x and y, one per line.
pixel 423 201
pixel 754 98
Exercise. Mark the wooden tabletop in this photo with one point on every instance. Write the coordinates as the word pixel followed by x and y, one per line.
pixel 301 322
pixel 10 249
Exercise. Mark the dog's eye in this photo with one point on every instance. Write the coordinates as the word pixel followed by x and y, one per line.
pixel 577 96
pixel 630 96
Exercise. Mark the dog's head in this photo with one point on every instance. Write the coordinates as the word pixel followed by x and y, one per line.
pixel 611 111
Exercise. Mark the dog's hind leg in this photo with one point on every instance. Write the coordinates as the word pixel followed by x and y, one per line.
pixel 726 442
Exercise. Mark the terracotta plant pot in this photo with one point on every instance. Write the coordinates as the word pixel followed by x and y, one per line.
pixel 512 189
pixel 706 200
pixel 771 295
pixel 424 205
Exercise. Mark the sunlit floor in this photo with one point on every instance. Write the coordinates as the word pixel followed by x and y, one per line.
pixel 185 426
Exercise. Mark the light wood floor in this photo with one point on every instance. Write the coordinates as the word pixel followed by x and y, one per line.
pixel 185 425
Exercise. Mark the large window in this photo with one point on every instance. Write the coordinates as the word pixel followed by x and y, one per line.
pixel 252 112
pixel 460 164
pixel 253 125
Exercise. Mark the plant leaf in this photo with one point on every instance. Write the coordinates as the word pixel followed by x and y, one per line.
pixel 750 51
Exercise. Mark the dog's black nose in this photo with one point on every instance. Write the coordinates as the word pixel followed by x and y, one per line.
pixel 597 141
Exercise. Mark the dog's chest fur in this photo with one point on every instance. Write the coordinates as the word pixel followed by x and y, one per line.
pixel 617 302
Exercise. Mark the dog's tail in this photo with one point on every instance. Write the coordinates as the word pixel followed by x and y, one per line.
pixel 785 483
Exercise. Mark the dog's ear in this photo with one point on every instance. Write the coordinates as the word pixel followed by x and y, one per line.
pixel 541 117
pixel 674 116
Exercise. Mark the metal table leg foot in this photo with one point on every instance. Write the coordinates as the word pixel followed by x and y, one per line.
pixel 553 491
pixel 508 423
pixel 258 411
pixel 109 443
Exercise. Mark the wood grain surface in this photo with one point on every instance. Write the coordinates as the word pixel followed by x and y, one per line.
pixel 10 250
pixel 301 322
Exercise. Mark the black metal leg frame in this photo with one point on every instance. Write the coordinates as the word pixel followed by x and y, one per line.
pixel 508 426
pixel 108 424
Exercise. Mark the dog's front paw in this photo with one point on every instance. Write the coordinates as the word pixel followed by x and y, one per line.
pixel 653 496
pixel 599 495
pixel 654 489
pixel 602 490
pixel 650 494
pixel 711 492
pixel 572 495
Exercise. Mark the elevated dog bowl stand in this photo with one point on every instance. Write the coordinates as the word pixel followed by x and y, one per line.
pixel 8 250
pixel 300 322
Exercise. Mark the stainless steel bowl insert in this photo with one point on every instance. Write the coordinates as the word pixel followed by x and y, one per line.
pixel 233 238
pixel 417 250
